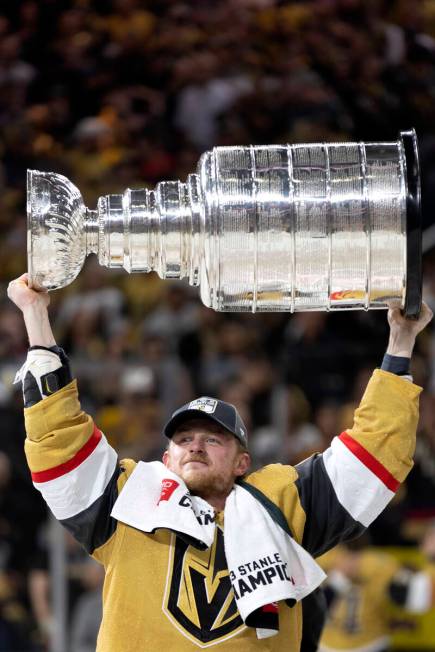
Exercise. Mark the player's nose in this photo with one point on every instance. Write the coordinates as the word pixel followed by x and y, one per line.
pixel 197 443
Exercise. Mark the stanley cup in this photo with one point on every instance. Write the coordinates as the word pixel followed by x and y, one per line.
pixel 331 226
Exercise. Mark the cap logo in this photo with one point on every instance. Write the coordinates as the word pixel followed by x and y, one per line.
pixel 204 404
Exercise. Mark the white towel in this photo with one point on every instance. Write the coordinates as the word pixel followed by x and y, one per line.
pixel 265 564
pixel 153 497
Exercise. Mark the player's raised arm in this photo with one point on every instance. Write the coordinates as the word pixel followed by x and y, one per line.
pixel 33 304
pixel 343 490
pixel 70 460
pixel 46 369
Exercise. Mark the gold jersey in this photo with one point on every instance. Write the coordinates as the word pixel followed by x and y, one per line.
pixel 359 618
pixel 160 592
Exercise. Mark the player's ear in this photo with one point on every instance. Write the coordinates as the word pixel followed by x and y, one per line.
pixel 243 463
pixel 165 458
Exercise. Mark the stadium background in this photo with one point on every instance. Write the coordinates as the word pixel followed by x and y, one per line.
pixel 127 93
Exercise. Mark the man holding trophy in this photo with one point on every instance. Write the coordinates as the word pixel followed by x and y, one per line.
pixel 225 561
pixel 198 552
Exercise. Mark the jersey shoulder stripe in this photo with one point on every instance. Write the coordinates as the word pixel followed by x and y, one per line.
pixel 73 463
pixel 370 461
pixel 358 489
pixel 77 489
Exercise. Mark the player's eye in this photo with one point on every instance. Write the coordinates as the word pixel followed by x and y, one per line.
pixel 182 439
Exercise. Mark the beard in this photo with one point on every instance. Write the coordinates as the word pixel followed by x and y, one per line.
pixel 203 482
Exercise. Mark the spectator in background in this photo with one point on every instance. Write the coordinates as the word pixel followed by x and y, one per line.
pixel 301 434
pixel 91 313
pixel 205 95
pixel 358 606
pixel 39 582
pixel 88 611
pixel 427 549
pixel 133 423
pixel 176 318
pixel 231 347
pixel 14 620
pixel 172 377
pixel 421 485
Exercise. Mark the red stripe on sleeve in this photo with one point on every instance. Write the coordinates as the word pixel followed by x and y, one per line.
pixel 370 462
pixel 73 463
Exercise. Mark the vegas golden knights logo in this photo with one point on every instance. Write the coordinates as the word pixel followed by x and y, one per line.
pixel 199 599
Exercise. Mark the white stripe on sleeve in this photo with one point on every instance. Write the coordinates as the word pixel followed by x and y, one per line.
pixel 78 489
pixel 357 488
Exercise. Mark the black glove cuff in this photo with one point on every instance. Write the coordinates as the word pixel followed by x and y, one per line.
pixel 55 380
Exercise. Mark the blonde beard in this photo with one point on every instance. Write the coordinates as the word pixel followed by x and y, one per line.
pixel 208 484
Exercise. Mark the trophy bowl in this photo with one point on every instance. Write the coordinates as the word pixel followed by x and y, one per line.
pixel 56 244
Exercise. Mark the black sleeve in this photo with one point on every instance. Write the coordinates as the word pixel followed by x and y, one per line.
pixel 94 526
pixel 314 610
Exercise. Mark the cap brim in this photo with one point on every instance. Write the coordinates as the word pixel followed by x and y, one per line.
pixel 188 415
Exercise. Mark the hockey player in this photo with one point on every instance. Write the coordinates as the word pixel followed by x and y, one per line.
pixel 363 582
pixel 197 551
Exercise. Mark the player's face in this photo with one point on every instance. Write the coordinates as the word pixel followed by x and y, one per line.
pixel 206 456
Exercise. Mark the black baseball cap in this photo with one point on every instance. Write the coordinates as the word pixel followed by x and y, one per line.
pixel 210 408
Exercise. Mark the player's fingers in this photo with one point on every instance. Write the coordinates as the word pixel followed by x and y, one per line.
pixel 24 278
pixel 394 315
pixel 426 313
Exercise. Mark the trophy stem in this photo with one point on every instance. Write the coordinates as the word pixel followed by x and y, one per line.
pixel 91 231
pixel 174 221
pixel 146 230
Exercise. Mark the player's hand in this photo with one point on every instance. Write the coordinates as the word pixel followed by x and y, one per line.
pixel 403 331
pixel 25 297
pixel 33 303
pixel 399 322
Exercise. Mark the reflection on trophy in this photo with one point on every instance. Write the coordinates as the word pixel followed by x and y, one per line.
pixel 331 226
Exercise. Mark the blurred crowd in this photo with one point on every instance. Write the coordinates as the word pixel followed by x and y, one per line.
pixel 125 93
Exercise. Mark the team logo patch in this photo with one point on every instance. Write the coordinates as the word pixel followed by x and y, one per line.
pixel 204 404
pixel 199 599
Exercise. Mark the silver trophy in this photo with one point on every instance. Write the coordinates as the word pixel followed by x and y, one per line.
pixel 330 226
